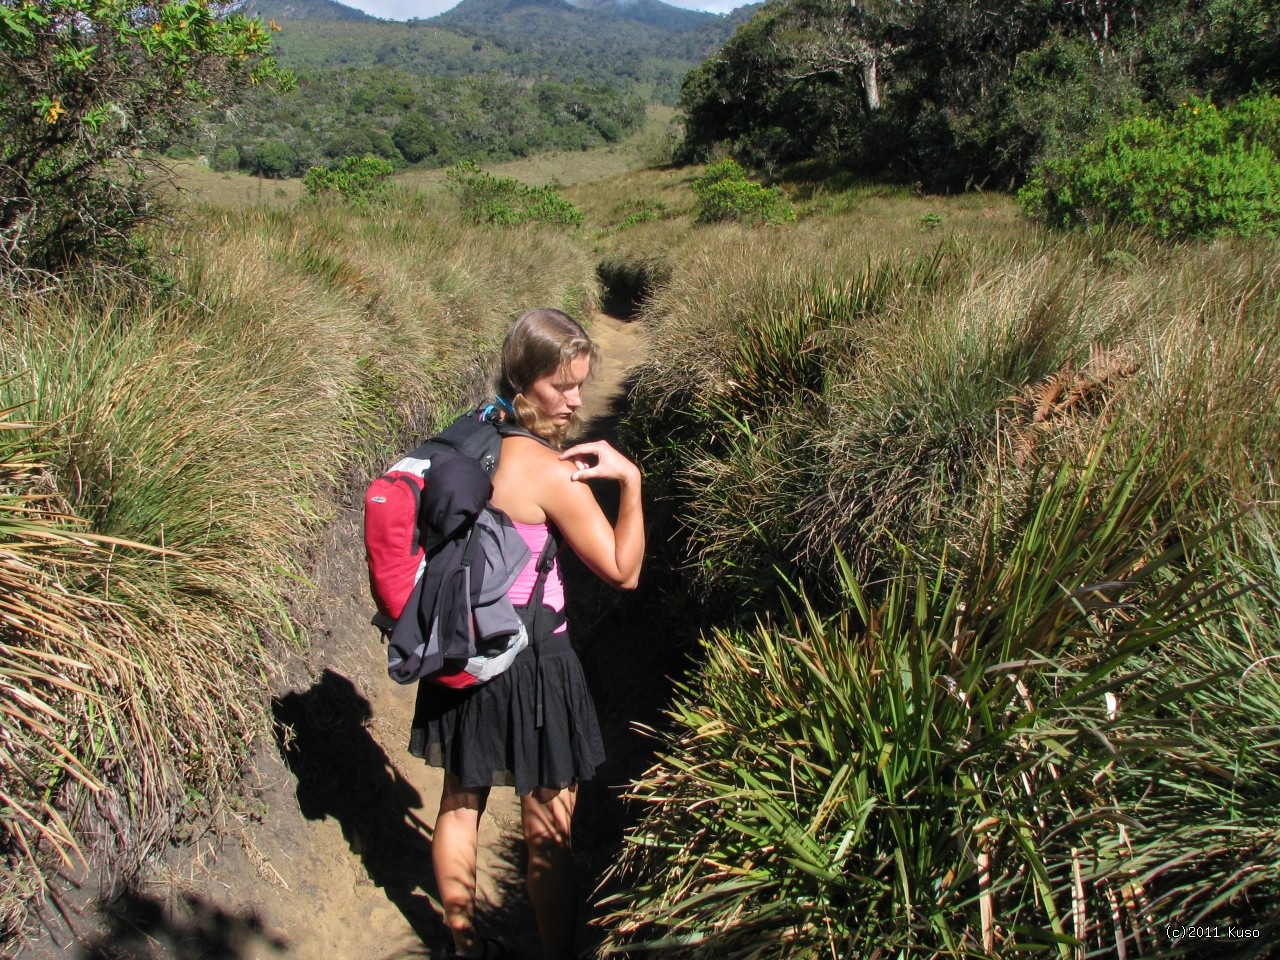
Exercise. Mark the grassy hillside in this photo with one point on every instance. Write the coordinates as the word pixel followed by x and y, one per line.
pixel 287 11
pixel 603 43
pixel 983 522
pixel 168 456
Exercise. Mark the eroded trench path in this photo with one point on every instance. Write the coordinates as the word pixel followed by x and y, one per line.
pixel 330 858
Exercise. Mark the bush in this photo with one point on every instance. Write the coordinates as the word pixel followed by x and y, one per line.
pixel 504 200
pixel 86 90
pixel 1069 743
pixel 1058 97
pixel 354 179
pixel 225 159
pixel 725 193
pixel 1203 172
pixel 416 138
pixel 641 211
pixel 273 159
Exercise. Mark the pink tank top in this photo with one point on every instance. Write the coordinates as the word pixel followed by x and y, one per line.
pixel 535 536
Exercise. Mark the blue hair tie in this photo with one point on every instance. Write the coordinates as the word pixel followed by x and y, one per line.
pixel 498 401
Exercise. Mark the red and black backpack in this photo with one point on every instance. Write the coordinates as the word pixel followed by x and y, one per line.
pixel 396 551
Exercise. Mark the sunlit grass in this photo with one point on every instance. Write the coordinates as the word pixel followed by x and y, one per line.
pixel 1061 747
pixel 217 421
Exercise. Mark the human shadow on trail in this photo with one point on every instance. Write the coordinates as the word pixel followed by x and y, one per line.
pixel 140 927
pixel 342 772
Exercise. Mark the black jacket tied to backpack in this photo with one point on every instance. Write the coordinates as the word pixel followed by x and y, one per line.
pixel 474 554
pixel 441 560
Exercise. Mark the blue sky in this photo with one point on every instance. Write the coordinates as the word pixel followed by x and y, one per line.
pixel 404 9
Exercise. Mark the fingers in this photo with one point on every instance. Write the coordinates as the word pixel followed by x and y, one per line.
pixel 591 447
pixel 584 471
pixel 597 459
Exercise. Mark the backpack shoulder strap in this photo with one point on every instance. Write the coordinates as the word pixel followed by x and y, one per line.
pixel 473 437
pixel 508 429
pixel 546 560
pixel 542 620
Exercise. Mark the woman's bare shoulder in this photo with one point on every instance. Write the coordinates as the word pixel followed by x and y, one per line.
pixel 530 466
pixel 530 478
pixel 529 452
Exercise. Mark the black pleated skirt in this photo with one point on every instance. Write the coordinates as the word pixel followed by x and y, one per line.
pixel 488 735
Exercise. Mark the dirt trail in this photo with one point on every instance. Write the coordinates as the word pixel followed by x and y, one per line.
pixel 332 858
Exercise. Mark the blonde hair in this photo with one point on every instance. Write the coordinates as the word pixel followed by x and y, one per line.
pixel 540 343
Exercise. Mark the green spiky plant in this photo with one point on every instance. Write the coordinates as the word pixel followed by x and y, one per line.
pixel 1059 747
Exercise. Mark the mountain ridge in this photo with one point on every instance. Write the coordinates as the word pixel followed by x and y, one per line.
pixel 284 10
pixel 496 16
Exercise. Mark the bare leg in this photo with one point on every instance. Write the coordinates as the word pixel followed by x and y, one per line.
pixel 453 854
pixel 547 816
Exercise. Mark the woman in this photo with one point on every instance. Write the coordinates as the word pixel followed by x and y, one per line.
pixel 533 726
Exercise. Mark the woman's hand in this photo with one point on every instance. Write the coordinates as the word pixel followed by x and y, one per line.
pixel 614 552
pixel 598 460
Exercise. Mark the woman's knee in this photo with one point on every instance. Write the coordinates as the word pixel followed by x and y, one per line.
pixel 547 818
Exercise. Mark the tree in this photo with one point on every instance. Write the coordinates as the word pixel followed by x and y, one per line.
pixel 830 36
pixel 947 93
pixel 274 159
pixel 756 96
pixel 88 90
pixel 355 179
pixel 416 138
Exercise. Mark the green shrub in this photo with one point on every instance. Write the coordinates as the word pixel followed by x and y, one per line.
pixel 505 200
pixel 87 91
pixel 225 159
pixel 273 159
pixel 1202 172
pixel 725 193
pixel 640 211
pixel 1060 743
pixel 355 179
pixel 1059 95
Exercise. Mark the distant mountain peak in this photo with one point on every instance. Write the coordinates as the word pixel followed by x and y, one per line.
pixel 653 12
pixel 303 10
pixel 482 14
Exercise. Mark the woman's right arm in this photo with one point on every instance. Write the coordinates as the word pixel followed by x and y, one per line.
pixel 614 553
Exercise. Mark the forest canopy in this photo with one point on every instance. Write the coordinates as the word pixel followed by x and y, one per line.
pixel 953 93
pixel 418 119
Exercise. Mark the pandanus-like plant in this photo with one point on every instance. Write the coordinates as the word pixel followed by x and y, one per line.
pixel 1070 746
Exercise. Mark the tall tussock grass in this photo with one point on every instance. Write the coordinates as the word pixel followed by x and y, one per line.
pixel 846 395
pixel 1025 696
pixel 168 458
pixel 1068 745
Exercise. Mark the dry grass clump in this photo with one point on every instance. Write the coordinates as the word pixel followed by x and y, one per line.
pixel 42 663
pixel 190 442
pixel 801 416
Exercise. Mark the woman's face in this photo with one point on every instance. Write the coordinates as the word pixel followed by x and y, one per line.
pixel 559 395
